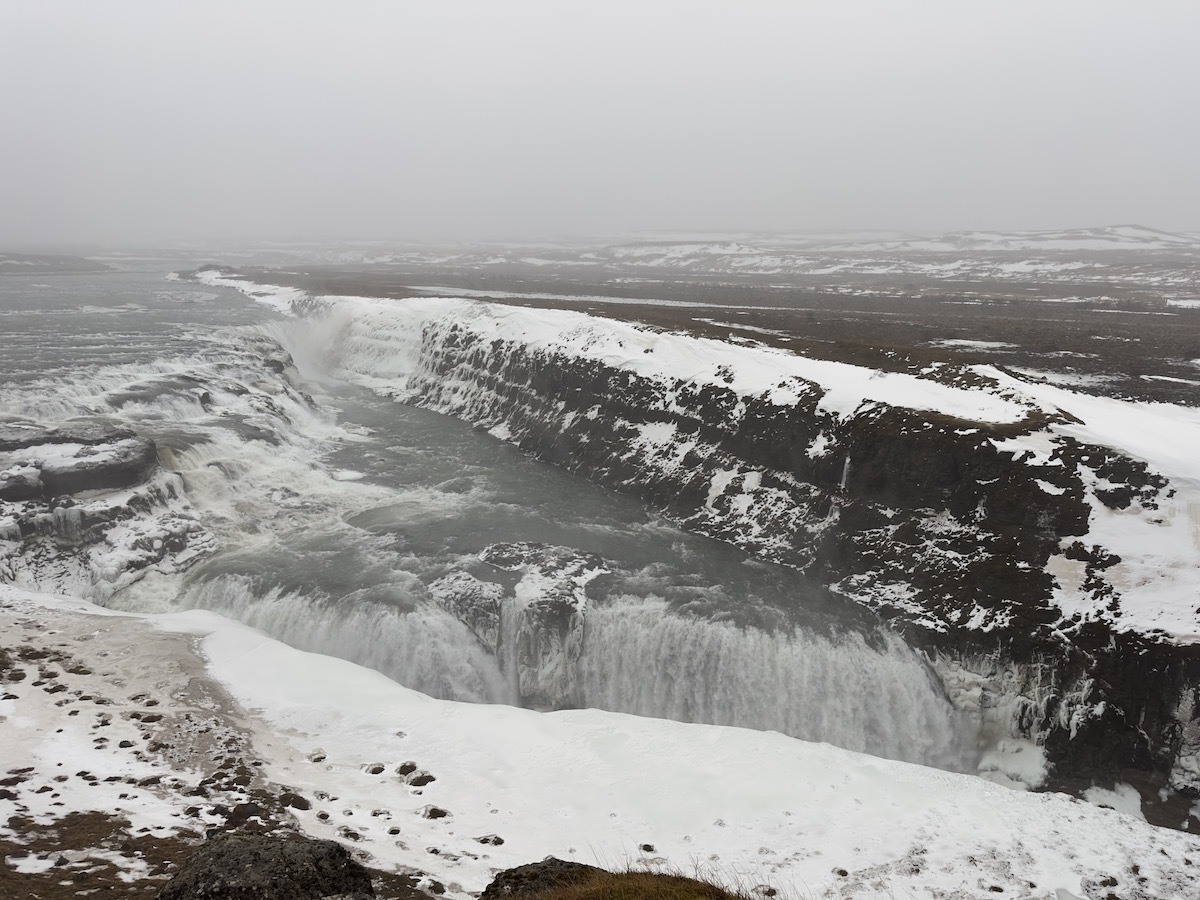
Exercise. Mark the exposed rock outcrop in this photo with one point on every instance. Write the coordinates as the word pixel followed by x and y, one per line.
pixel 86 508
pixel 535 878
pixel 536 628
pixel 984 541
pixel 72 459
pixel 262 867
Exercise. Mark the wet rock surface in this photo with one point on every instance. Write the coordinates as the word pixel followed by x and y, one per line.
pixel 119 464
pixel 50 462
pixel 87 507
pixel 71 459
pixel 532 617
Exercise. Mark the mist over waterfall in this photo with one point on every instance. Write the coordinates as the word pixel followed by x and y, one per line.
pixel 869 693
pixel 421 648
pixel 331 510
pixel 639 659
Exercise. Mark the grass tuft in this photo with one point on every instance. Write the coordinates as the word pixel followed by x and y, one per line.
pixel 637 886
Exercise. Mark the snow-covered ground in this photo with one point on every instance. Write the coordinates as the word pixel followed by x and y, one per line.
pixel 653 353
pixel 510 786
pixel 1112 264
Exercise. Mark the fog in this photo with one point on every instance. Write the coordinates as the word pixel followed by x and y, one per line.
pixel 138 122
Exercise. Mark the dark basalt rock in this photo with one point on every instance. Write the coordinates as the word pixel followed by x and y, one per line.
pixel 22 484
pixel 535 878
pixel 115 465
pixel 57 505
pixel 15 436
pixel 262 867
pixel 943 527
pixel 109 459
pixel 548 630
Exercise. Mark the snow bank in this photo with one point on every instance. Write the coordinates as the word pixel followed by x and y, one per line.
pixel 669 357
pixel 747 807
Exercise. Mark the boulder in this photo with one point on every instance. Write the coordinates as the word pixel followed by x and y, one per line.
pixel 78 457
pixel 534 878
pixel 264 867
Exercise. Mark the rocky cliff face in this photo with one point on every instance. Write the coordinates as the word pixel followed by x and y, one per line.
pixel 536 630
pixel 86 509
pixel 999 544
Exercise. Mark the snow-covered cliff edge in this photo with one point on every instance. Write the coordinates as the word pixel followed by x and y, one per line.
pixel 1039 545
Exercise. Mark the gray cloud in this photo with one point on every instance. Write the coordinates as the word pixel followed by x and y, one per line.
pixel 139 121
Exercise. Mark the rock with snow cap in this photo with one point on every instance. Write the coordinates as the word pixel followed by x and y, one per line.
pixel 107 466
pixel 88 503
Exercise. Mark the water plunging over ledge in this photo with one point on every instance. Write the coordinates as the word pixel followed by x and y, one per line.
pixel 334 515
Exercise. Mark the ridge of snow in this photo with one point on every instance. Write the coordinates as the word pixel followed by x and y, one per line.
pixel 667 356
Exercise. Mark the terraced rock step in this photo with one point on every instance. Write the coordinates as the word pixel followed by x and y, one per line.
pixel 86 508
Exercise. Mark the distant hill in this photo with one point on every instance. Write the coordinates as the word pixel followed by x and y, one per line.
pixel 1110 237
pixel 36 264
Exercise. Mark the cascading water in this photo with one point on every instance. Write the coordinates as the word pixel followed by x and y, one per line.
pixel 422 647
pixel 640 658
pixel 332 519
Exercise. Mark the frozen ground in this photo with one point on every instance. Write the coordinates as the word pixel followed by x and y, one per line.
pixel 456 791
pixel 1111 310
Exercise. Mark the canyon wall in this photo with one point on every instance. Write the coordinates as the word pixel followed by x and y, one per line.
pixel 988 545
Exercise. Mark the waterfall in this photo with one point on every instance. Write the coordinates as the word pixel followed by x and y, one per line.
pixel 294 560
pixel 422 648
pixel 639 658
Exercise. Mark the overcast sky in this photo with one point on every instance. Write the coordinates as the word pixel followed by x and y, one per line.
pixel 124 122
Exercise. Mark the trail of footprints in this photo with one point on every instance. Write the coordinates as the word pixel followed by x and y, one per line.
pixel 407 774
pixel 179 738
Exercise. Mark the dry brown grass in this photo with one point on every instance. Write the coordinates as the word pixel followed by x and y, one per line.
pixel 637 886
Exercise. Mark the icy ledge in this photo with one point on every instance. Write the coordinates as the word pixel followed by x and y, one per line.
pixel 747 807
